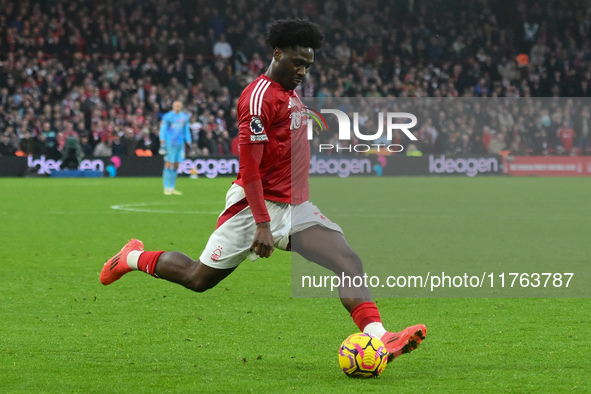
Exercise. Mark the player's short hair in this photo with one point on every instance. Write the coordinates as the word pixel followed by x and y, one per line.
pixel 286 33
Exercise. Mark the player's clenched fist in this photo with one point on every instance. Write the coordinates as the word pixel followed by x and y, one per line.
pixel 262 243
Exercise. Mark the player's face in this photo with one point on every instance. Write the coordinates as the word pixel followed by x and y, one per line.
pixel 177 106
pixel 293 65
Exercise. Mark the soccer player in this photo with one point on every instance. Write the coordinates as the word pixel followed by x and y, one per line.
pixel 267 206
pixel 174 134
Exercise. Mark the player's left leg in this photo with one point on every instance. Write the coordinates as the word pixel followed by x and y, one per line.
pixel 330 249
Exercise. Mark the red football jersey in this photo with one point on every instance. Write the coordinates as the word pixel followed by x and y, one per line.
pixel 268 114
pixel 566 135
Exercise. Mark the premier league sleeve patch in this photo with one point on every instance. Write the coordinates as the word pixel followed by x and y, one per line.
pixel 256 125
pixel 257 128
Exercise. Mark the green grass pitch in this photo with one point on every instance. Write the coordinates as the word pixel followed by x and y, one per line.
pixel 62 331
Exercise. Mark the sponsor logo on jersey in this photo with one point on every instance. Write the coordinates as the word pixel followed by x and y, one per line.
pixel 256 125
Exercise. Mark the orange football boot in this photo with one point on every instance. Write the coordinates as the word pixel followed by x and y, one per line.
pixel 117 266
pixel 399 343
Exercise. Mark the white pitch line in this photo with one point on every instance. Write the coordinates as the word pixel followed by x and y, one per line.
pixel 141 207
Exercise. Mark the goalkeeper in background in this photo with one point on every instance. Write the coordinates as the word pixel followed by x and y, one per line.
pixel 174 134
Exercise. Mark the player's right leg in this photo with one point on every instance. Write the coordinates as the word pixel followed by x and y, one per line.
pixel 174 175
pixel 167 176
pixel 227 247
pixel 174 267
pixel 178 268
pixel 174 155
pixel 117 265
pixel 178 152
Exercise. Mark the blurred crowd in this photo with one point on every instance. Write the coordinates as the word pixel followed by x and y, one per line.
pixel 104 72
pixel 461 125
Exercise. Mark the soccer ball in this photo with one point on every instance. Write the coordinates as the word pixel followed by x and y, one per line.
pixel 362 356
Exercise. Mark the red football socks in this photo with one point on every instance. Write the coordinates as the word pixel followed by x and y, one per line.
pixel 147 262
pixel 364 314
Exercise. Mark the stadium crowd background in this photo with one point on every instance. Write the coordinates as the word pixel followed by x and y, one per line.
pixel 104 72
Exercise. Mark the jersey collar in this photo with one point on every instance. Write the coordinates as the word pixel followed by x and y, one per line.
pixel 275 85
